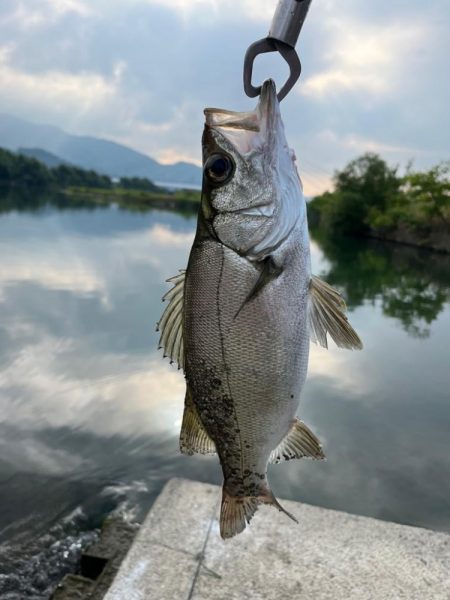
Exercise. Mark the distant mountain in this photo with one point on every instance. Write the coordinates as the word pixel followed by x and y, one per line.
pixel 50 160
pixel 103 156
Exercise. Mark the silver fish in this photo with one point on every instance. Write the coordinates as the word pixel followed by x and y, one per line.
pixel 240 318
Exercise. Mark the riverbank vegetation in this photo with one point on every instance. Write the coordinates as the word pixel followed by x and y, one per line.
pixel 19 171
pixel 371 199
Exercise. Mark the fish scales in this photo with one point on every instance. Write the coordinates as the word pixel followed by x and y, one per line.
pixel 240 319
pixel 252 354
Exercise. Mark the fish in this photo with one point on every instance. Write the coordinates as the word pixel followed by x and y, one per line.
pixel 239 319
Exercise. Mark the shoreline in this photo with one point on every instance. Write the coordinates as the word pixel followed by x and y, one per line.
pixel 402 237
pixel 137 198
pixel 443 250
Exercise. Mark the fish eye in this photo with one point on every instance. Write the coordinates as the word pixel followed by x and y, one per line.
pixel 219 168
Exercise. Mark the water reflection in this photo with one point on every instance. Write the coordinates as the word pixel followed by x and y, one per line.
pixel 412 285
pixel 23 200
pixel 90 413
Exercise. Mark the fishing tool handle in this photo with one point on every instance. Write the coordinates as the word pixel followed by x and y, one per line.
pixel 288 21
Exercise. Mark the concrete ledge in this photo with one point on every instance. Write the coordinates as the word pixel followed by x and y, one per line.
pixel 179 555
pixel 99 563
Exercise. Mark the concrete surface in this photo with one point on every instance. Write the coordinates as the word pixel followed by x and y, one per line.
pixel 179 555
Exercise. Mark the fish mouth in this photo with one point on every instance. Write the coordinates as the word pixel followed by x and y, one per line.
pixel 248 131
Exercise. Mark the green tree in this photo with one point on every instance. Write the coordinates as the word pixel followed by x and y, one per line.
pixel 30 172
pixel 428 194
pixel 6 166
pixel 364 190
pixel 370 178
pixel 138 183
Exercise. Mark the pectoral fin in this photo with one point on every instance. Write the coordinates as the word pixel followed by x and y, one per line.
pixel 300 442
pixel 193 437
pixel 327 315
pixel 269 271
pixel 171 323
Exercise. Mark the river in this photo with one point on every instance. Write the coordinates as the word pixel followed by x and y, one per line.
pixel 90 412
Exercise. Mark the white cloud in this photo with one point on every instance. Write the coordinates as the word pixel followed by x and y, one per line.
pixel 364 144
pixel 223 10
pixel 27 17
pixel 80 93
pixel 364 57
pixel 72 6
pixel 104 68
pixel 168 141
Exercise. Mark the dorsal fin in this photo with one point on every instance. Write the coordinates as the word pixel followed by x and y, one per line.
pixel 300 442
pixel 327 315
pixel 171 323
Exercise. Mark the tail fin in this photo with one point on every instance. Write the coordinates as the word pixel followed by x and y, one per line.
pixel 237 510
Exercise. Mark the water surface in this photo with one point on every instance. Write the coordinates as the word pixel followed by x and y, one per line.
pixel 90 413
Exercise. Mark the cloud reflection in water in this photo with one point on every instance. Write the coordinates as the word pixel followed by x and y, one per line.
pixel 86 397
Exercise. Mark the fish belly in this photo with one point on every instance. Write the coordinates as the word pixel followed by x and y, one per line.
pixel 246 361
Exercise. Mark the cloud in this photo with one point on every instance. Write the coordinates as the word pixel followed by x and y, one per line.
pixel 365 57
pixel 219 10
pixel 140 72
pixel 81 93
pixel 70 6
pixel 362 144
pixel 27 17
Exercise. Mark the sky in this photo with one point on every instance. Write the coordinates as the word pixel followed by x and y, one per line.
pixel 375 75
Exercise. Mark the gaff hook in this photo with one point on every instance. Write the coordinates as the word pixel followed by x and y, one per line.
pixel 283 34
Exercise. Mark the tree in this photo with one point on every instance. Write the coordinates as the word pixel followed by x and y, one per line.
pixel 138 183
pixel 28 171
pixel 428 193
pixel 370 178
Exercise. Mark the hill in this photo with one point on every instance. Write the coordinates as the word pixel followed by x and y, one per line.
pixel 50 160
pixel 103 156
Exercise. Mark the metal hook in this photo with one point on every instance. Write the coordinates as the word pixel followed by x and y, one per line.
pixel 270 45
pixel 283 35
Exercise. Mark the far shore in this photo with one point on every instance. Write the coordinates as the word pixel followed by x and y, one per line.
pixel 184 199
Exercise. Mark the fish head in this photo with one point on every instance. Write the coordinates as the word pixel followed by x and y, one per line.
pixel 252 195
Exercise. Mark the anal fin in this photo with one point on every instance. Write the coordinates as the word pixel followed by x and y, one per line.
pixel 193 437
pixel 300 442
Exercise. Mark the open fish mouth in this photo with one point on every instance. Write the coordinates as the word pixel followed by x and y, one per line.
pixel 250 130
